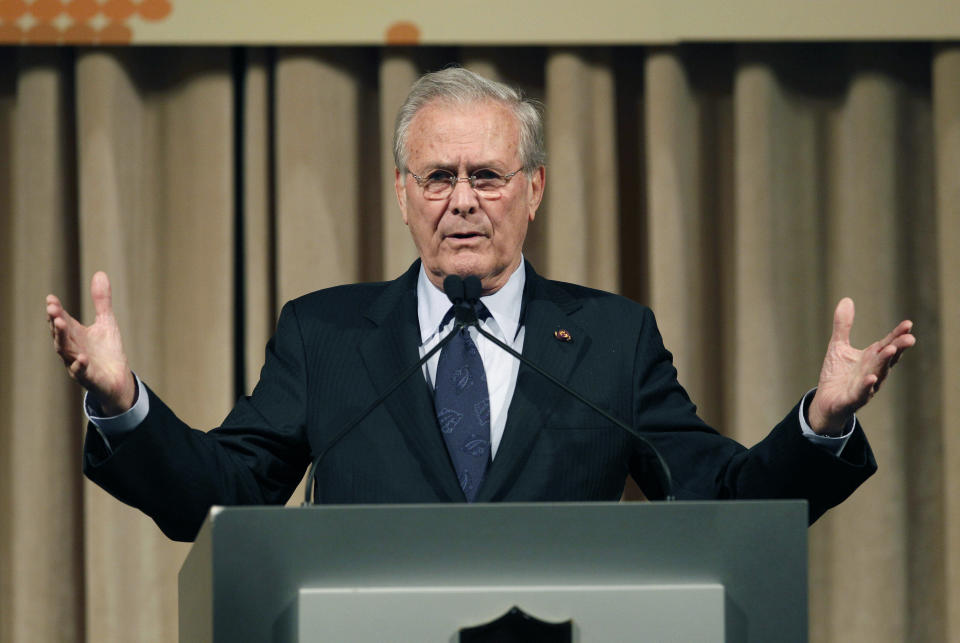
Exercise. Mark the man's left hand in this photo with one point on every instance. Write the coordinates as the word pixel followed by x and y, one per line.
pixel 850 377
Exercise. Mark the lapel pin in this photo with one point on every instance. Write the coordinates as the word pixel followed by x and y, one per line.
pixel 563 335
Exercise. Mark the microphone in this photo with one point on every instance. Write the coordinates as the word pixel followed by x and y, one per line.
pixel 466 296
pixel 463 294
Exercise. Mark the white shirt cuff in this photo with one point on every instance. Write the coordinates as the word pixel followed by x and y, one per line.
pixel 834 444
pixel 117 426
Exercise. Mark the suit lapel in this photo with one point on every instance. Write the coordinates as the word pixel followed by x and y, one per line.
pixel 390 349
pixel 547 309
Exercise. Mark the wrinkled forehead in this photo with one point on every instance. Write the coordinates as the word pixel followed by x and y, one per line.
pixel 448 128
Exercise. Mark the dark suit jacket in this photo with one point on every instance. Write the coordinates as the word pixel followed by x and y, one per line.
pixel 335 350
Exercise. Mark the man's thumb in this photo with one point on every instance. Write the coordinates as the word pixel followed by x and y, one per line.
pixel 843 320
pixel 100 291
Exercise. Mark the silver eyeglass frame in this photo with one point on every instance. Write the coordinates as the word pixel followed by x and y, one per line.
pixel 453 180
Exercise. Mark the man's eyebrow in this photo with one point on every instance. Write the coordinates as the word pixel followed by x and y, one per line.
pixel 471 168
pixel 489 165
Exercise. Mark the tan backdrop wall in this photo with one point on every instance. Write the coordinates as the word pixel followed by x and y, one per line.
pixel 740 190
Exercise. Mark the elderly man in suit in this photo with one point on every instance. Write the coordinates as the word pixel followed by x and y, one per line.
pixel 475 425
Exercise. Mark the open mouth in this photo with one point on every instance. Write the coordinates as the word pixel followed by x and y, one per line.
pixel 465 235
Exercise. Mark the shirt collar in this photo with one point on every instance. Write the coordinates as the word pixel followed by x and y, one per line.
pixel 504 305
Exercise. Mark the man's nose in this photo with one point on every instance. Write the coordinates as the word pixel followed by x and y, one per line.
pixel 464 199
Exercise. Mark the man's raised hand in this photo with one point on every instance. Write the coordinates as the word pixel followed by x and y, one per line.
pixel 94 354
pixel 850 377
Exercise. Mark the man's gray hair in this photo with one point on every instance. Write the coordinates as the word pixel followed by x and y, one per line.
pixel 462 86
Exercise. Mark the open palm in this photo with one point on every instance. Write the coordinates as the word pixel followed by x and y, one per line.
pixel 849 376
pixel 94 354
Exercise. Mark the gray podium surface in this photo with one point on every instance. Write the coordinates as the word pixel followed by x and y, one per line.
pixel 253 569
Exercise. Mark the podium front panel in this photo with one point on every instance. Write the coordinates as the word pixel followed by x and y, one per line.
pixel 258 559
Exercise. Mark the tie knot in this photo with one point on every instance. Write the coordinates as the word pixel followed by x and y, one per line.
pixel 480 310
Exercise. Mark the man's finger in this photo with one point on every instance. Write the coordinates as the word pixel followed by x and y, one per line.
pixel 878 361
pixel 53 307
pixel 903 342
pixel 100 291
pixel 79 366
pixel 886 353
pixel 60 322
pixel 903 328
pixel 882 359
pixel 59 332
pixel 862 391
pixel 843 321
pixel 870 385
pixel 55 311
pixel 900 344
pixel 50 322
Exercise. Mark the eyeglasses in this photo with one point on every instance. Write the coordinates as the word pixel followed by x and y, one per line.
pixel 439 184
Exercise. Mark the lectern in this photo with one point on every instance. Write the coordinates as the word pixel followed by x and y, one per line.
pixel 680 571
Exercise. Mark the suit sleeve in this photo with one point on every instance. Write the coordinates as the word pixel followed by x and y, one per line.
pixel 706 465
pixel 175 473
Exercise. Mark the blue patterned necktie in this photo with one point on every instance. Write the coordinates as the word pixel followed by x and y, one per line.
pixel 463 407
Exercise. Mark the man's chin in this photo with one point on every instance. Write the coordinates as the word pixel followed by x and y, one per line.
pixel 462 269
pixel 465 265
pixel 463 273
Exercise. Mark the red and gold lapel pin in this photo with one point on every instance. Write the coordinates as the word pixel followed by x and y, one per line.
pixel 563 335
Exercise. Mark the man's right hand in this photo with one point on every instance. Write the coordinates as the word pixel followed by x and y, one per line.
pixel 94 354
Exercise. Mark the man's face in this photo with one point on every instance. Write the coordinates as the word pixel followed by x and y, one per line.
pixel 466 233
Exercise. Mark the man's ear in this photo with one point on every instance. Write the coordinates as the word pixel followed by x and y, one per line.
pixel 401 192
pixel 538 181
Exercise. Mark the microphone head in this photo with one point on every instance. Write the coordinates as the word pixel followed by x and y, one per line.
pixel 453 287
pixel 464 294
pixel 472 288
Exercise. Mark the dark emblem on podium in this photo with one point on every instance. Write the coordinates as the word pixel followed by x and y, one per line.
pixel 516 626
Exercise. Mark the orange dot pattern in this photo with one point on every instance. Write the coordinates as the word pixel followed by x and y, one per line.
pixel 402 33
pixel 75 22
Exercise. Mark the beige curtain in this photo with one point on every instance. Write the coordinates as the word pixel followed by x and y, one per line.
pixel 740 190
